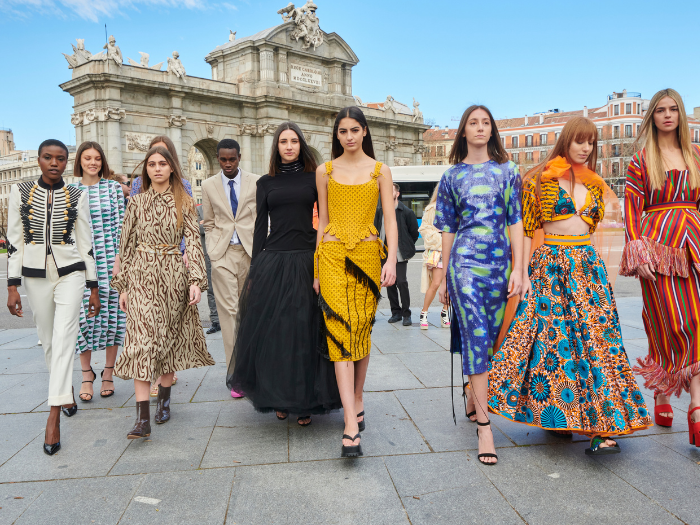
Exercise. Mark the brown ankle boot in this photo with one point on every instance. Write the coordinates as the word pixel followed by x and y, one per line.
pixel 163 405
pixel 142 427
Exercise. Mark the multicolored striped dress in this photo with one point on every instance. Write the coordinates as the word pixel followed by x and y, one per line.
pixel 663 228
pixel 106 216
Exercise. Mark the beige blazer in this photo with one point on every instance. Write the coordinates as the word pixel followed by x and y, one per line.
pixel 219 222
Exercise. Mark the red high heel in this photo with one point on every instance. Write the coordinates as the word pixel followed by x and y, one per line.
pixel 694 429
pixel 662 421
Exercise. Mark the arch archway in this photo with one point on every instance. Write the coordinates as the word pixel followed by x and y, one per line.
pixel 201 164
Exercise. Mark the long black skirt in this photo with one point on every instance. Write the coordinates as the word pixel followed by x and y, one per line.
pixel 277 362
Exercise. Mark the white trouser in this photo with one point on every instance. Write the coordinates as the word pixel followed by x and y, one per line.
pixel 56 303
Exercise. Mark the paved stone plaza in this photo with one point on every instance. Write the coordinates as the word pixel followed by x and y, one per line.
pixel 218 461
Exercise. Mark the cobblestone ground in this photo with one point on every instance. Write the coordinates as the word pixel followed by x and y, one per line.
pixel 218 461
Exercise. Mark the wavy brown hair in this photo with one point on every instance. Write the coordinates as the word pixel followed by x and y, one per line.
pixel 78 168
pixel 182 200
pixel 305 155
pixel 495 148
pixel 577 129
pixel 649 138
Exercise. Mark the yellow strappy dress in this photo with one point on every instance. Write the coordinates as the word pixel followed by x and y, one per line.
pixel 350 269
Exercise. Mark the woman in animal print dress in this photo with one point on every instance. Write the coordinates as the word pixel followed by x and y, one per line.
pixel 157 292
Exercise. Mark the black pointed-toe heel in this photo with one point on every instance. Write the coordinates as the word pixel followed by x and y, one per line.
pixel 51 448
pixel 361 424
pixel 71 410
pixel 88 399
pixel 486 454
pixel 351 451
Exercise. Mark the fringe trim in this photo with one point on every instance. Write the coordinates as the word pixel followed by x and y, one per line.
pixel 343 351
pixel 330 313
pixel 667 383
pixel 666 259
pixel 362 278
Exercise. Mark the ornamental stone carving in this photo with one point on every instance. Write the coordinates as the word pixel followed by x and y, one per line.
pixel 176 121
pixel 137 141
pixel 359 102
pixel 210 130
pixel 267 129
pixel 417 113
pixel 402 161
pixel 114 114
pixel 76 119
pixel 144 62
pixel 306 24
pixel 391 145
pixel 80 55
pixel 90 115
pixel 389 104
pixel 420 149
pixel 247 129
pixel 112 52
pixel 175 67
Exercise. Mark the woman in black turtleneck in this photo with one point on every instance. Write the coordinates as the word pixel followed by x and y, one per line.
pixel 277 364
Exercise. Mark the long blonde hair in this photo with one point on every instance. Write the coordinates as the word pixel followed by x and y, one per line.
pixel 649 139
pixel 433 197
pixel 182 200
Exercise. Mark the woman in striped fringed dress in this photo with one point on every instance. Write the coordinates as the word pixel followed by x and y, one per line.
pixel 662 224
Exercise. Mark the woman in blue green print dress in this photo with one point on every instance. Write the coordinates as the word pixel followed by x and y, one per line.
pixel 478 210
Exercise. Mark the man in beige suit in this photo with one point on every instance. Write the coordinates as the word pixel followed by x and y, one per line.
pixel 228 203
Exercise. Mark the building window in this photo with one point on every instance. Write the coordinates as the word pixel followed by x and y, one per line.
pixel 556 135
pixel 516 157
pixel 528 141
pixel 199 182
pixel 543 139
pixel 628 131
pixel 440 151
pixel 616 109
pixel 639 109
pixel 543 154
pixel 503 141
pixel 628 109
pixel 696 135
pixel 616 132
pixel 514 142
pixel 615 150
pixel 615 169
pixel 600 133
pixel 529 156
pixel 439 163
pixel 600 151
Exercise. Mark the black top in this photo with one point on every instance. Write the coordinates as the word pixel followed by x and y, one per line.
pixel 289 199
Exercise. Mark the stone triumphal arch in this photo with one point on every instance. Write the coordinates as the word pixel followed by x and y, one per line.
pixel 293 71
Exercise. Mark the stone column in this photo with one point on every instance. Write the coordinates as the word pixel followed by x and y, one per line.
pixel 418 150
pixel 267 65
pixel 175 123
pixel 246 130
pixel 282 66
pixel 113 139
pixel 268 132
pixel 77 120
pixel 390 147
pixel 347 80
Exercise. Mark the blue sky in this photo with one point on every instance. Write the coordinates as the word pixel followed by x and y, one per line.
pixel 516 57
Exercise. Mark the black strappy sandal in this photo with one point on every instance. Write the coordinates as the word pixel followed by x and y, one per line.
pixel 70 410
pixel 300 418
pixel 464 395
pixel 351 451
pixel 94 376
pixel 361 424
pixel 278 412
pixel 486 454
pixel 596 450
pixel 111 392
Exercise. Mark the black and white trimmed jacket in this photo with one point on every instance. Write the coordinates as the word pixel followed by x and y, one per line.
pixel 48 222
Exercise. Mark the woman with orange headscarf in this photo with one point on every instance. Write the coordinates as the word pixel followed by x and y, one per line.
pixel 562 365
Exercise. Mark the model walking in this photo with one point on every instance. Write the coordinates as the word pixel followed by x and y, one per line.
pixel 49 243
pixel 105 331
pixel 562 366
pixel 277 363
pixel 165 142
pixel 156 290
pixel 432 272
pixel 662 227
pixel 348 267
pixel 483 186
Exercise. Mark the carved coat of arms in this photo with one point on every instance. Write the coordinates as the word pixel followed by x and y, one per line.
pixel 307 25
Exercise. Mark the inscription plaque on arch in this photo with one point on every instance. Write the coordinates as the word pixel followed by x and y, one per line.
pixel 310 76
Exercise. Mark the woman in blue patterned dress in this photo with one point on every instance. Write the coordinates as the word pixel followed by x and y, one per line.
pixel 106 330
pixel 478 211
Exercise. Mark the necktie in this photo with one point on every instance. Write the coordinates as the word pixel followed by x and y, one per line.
pixel 234 200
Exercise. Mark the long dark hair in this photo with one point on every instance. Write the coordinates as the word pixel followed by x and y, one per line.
pixel 354 113
pixel 182 200
pixel 495 148
pixel 78 168
pixel 168 144
pixel 305 154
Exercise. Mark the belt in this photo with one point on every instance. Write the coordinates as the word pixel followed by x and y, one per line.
pixel 161 249
pixel 680 205
pixel 567 240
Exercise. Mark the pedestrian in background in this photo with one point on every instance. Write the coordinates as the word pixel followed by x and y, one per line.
pixel 211 300
pixel 277 363
pixel 228 207
pixel 106 330
pixel 407 224
pixel 432 272
pixel 478 200
pixel 348 266
pixel 157 292
pixel 50 244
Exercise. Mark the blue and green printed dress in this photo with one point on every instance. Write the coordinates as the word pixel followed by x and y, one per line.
pixel 106 217
pixel 478 202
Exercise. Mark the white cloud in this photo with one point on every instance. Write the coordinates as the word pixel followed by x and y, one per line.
pixel 93 10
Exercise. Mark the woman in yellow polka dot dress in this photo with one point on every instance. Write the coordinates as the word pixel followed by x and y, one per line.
pixel 348 269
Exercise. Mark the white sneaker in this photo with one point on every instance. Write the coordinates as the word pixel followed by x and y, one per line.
pixel 424 320
pixel 444 320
